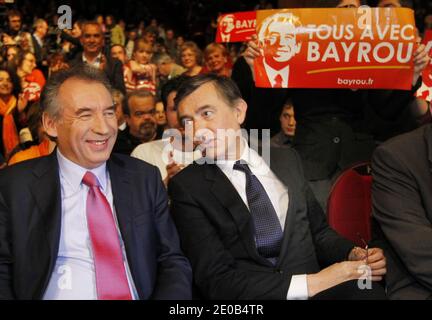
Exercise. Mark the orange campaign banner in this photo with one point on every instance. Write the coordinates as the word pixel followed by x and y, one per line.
pixel 336 48
pixel 236 27
pixel 425 91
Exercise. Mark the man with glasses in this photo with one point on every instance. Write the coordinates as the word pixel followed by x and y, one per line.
pixel 139 109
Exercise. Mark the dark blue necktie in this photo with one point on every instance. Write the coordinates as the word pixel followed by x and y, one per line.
pixel 268 231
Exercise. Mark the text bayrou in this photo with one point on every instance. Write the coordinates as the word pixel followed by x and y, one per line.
pixel 336 48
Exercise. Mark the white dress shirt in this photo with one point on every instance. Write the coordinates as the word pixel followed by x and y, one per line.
pixel 278 194
pixel 272 73
pixel 73 277
pixel 95 63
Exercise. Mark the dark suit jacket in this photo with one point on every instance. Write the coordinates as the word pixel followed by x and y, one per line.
pixel 39 52
pixel 30 221
pixel 402 206
pixel 216 231
pixel 113 70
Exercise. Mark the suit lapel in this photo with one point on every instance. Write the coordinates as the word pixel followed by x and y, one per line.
pixel 280 168
pixel 46 192
pixel 228 196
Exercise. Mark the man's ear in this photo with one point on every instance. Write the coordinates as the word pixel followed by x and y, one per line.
pixel 240 110
pixel 49 125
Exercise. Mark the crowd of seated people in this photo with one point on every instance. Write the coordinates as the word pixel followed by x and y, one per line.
pixel 166 87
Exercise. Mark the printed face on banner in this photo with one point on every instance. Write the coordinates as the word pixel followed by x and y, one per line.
pixel 335 48
pixel 236 27
pixel 280 41
pixel 227 24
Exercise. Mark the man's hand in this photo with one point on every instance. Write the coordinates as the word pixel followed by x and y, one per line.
pixel 335 274
pixel 252 52
pixel 421 60
pixel 375 259
pixel 172 169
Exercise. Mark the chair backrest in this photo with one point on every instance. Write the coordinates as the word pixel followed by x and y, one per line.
pixel 349 205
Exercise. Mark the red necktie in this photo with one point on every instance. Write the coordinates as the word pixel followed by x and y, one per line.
pixel 277 81
pixel 111 280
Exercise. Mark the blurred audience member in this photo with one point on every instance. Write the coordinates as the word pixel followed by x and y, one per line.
pixel 119 98
pixel 139 111
pixel 117 35
pixel 39 44
pixel 119 52
pixel 9 91
pixel 288 125
pixel 92 41
pixel 140 74
pixel 216 59
pixel 14 35
pixel 191 58
pixel 132 36
pixel 160 115
pixel 42 144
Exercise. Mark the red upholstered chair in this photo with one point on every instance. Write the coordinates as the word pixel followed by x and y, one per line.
pixel 349 205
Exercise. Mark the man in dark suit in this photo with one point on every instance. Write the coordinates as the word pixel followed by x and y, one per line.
pixel 92 41
pixel 402 206
pixel 252 231
pixel 40 47
pixel 82 223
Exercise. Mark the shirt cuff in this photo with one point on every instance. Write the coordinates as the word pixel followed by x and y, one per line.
pixel 298 288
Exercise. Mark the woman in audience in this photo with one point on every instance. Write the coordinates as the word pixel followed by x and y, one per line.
pixel 191 58
pixel 32 82
pixel 9 91
pixel 216 59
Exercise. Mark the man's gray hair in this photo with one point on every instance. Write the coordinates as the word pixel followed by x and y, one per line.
pixel 49 98
pixel 161 58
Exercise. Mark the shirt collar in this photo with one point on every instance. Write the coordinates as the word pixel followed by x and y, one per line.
pixel 73 173
pixel 250 157
pixel 272 73
pixel 96 61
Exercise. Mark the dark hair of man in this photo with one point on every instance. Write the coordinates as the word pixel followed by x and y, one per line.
pixel 91 23
pixel 137 93
pixel 224 86
pixel 171 85
pixel 14 13
pixel 49 102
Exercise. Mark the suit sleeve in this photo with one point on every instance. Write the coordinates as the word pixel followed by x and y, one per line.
pixel 174 279
pixel 397 206
pixel 216 272
pixel 5 253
